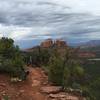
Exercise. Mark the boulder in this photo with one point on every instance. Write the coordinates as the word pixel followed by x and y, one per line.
pixel 51 89
pixel 58 95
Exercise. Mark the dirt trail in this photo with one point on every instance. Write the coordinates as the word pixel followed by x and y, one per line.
pixel 37 78
pixel 27 90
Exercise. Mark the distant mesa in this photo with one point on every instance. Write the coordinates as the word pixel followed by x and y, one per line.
pixel 84 54
pixel 53 43
pixel 91 43
pixel 49 43
pixel 61 44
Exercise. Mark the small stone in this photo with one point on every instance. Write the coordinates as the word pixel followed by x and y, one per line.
pixel 45 83
pixel 21 91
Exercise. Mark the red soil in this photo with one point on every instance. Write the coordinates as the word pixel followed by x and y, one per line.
pixel 26 90
pixel 29 89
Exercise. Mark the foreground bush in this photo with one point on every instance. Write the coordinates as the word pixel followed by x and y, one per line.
pixel 11 60
pixel 65 71
pixel 56 70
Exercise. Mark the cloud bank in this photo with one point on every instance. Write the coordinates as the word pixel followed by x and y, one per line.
pixel 30 21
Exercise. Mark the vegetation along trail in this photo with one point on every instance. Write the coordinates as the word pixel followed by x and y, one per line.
pixel 26 90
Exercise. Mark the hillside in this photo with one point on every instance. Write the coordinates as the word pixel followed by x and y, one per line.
pixel 92 43
pixel 59 74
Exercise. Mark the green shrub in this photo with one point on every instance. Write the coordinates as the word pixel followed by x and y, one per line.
pixel 11 60
pixel 56 71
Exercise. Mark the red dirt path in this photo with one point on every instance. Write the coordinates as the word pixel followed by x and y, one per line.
pixel 27 90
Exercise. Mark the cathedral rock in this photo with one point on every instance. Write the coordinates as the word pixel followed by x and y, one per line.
pixel 50 43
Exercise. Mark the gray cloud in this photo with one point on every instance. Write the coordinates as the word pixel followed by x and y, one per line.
pixel 43 16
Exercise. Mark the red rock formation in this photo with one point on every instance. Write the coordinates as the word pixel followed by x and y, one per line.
pixel 60 43
pixel 47 43
pixel 50 43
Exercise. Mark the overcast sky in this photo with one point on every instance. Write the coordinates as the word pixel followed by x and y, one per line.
pixel 30 21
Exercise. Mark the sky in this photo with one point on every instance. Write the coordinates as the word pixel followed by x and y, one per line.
pixel 29 22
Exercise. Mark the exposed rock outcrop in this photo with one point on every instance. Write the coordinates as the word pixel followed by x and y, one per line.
pixel 47 43
pixel 51 89
pixel 64 96
pixel 50 43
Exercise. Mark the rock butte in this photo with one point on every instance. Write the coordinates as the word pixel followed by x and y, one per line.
pixel 50 43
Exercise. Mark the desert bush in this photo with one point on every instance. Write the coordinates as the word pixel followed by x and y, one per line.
pixel 11 60
pixel 56 70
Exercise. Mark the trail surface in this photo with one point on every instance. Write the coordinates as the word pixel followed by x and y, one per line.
pixel 29 89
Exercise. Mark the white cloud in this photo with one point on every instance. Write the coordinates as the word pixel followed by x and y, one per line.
pixel 1 35
pixel 93 36
pixel 20 33
pixel 91 6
